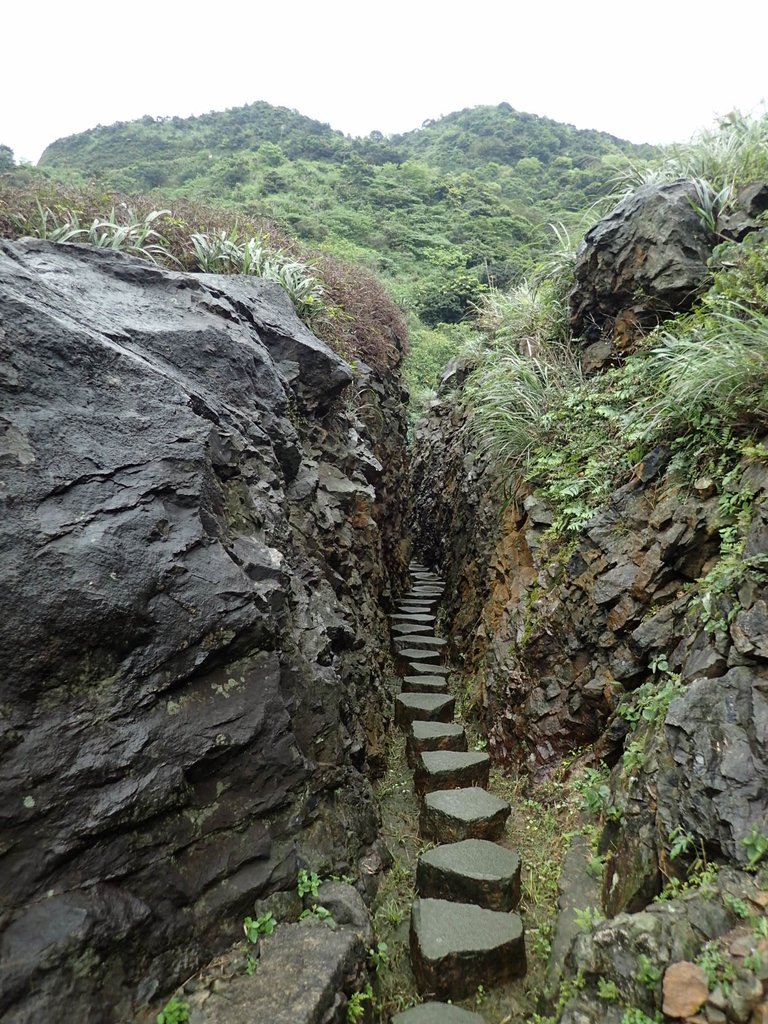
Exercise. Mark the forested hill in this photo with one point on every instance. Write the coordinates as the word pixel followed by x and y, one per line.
pixel 438 212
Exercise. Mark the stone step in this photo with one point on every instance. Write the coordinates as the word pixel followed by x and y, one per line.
pixel 432 670
pixel 427 707
pixel 401 628
pixel 414 655
pixel 436 1013
pixel 456 946
pixel 421 642
pixel 425 684
pixel 450 769
pixel 413 606
pixel 471 871
pixel 412 617
pixel 449 815
pixel 424 736
pixel 422 589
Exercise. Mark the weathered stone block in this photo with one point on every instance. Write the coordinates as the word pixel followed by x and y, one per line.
pixel 450 815
pixel 448 769
pixel 456 946
pixel 425 684
pixel 433 736
pixel 436 1013
pixel 471 871
pixel 430 707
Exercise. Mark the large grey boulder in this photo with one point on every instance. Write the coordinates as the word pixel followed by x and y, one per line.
pixel 641 264
pixel 192 653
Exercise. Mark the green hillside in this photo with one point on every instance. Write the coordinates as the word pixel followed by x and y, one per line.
pixel 440 213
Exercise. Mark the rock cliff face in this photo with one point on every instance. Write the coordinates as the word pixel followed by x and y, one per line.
pixel 201 516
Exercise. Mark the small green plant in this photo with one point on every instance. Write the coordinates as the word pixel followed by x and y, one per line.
pixel 681 842
pixel 480 995
pixel 754 962
pixel 719 970
pixel 632 1015
pixel 318 913
pixel 587 918
pixel 594 790
pixel 255 928
pixel 251 963
pixel 175 1011
pixel 756 845
pixel 356 1004
pixel 761 928
pixel 634 757
pixel 648 974
pixel 737 906
pixel 307 884
pixel 608 990
pixel 378 956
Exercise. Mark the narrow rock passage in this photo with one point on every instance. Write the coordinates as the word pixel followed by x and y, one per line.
pixel 464 932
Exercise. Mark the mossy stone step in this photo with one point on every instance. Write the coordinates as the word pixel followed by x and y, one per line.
pixel 425 684
pixel 471 871
pixel 450 815
pixel 428 707
pixel 426 642
pixel 456 946
pixel 424 736
pixel 436 1013
pixel 432 670
pixel 450 769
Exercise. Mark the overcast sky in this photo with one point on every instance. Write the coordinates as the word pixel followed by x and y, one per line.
pixel 650 71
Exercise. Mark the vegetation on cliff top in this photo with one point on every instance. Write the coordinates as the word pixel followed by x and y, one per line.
pixel 345 305
pixel 698 384
pixel 441 214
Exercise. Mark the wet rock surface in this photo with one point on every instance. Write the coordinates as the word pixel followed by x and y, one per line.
pixel 318 966
pixel 194 655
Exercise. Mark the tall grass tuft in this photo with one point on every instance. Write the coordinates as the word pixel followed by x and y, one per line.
pixel 525 373
pixel 717 368
pixel 719 162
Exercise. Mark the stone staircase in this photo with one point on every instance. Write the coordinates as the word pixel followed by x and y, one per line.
pixel 464 932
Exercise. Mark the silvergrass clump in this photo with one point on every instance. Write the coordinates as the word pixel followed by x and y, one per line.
pixel 718 367
pixel 222 253
pixel 523 377
pixel 719 162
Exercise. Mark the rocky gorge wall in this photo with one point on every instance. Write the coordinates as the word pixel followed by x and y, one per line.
pixel 559 635
pixel 201 525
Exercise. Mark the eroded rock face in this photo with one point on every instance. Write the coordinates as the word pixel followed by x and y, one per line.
pixel 193 670
pixel 555 634
pixel 639 265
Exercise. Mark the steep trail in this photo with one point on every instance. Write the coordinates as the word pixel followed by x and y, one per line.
pixel 465 936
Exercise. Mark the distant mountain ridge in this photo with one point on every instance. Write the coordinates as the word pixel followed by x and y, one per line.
pixel 439 213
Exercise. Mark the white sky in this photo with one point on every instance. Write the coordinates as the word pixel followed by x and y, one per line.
pixel 650 71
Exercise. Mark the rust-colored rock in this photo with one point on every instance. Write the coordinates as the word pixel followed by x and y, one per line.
pixel 685 989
